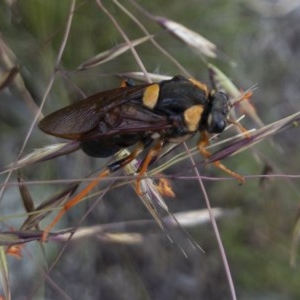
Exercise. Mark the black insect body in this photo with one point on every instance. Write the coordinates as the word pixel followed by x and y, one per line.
pixel 112 120
pixel 170 111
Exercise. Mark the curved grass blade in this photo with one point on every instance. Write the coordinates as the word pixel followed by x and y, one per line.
pixel 133 232
pixel 256 137
pixel 189 37
pixel 4 274
pixel 112 53
pixel 155 204
pixel 295 243
pixel 140 76
pixel 43 154
pixel 9 77
pixel 47 207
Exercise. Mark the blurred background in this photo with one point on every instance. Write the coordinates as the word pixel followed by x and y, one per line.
pixel 258 44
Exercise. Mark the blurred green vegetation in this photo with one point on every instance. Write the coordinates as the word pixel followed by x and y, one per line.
pixel 255 47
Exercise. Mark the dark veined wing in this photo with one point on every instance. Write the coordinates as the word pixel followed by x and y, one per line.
pixel 76 119
pixel 131 119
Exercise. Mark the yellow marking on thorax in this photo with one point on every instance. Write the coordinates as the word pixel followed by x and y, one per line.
pixel 192 117
pixel 150 95
pixel 200 85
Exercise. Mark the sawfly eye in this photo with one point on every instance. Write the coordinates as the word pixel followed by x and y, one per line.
pixel 219 109
pixel 219 126
pixel 216 123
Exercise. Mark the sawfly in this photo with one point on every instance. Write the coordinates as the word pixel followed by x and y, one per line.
pixel 146 116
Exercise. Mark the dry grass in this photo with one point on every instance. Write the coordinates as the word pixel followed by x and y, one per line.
pixel 53 53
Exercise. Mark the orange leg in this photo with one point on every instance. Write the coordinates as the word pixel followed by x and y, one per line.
pixel 15 250
pixel 152 154
pixel 164 187
pixel 203 143
pixel 240 127
pixel 76 199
